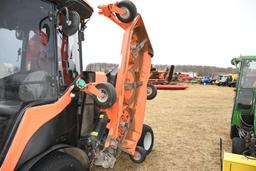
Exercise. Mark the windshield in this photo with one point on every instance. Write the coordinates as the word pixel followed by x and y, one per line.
pixel 223 78
pixel 248 79
pixel 26 49
pixel 219 78
pixel 26 58
pixel 11 64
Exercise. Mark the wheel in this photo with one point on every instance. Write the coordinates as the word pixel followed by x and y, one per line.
pixel 151 91
pixel 130 11
pixel 139 156
pixel 238 145
pixel 233 132
pixel 58 161
pixel 108 97
pixel 71 29
pixel 147 138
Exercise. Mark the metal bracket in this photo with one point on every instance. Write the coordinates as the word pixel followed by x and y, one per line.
pixel 138 47
pixel 132 85
pixel 106 159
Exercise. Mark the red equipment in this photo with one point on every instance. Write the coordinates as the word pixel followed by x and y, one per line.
pixel 171 87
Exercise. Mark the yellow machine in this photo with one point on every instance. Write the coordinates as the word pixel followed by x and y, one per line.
pixel 235 162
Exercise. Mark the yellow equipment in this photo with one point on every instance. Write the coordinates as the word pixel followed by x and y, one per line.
pixel 235 162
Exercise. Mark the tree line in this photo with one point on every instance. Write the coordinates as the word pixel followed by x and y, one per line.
pixel 200 70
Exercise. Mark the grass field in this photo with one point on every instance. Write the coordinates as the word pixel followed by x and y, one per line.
pixel 187 126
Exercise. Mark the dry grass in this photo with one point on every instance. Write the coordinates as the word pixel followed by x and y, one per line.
pixel 187 126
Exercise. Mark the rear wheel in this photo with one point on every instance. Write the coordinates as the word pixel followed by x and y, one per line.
pixel 238 145
pixel 151 91
pixel 139 156
pixel 130 11
pixel 58 161
pixel 147 138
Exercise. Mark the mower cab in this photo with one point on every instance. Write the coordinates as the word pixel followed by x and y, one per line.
pixel 52 114
pixel 243 122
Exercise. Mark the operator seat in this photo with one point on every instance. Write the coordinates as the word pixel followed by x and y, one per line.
pixel 9 107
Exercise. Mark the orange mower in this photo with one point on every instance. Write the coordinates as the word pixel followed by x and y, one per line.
pixel 53 115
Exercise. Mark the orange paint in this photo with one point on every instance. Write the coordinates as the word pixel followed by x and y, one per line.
pixel 101 77
pixel 131 84
pixel 91 89
pixel 33 119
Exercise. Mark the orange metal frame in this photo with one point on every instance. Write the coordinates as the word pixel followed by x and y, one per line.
pixel 91 89
pixel 127 114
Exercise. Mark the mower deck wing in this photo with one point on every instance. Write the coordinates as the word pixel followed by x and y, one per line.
pixel 127 114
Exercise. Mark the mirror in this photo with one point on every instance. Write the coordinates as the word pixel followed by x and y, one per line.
pixel 235 61
pixel 88 76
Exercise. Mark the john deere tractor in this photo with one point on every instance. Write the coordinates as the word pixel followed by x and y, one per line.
pixel 243 122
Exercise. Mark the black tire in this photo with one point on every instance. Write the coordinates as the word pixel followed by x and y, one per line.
pixel 151 91
pixel 140 155
pixel 146 139
pixel 238 145
pixel 131 11
pixel 71 29
pixel 58 161
pixel 233 131
pixel 110 95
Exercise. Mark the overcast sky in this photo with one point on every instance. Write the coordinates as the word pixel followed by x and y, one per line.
pixel 193 32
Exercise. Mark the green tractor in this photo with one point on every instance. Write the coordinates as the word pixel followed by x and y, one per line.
pixel 243 121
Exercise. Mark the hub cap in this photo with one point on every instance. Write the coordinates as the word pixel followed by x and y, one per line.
pixel 137 156
pixel 103 97
pixel 126 14
pixel 149 91
pixel 147 141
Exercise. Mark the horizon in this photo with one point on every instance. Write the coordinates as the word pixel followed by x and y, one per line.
pixel 169 65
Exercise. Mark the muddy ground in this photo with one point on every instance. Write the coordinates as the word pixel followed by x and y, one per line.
pixel 187 126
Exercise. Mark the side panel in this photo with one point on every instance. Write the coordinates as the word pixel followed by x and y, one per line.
pixel 63 129
pixel 33 119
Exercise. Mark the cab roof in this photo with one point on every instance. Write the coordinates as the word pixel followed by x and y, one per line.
pixel 248 57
